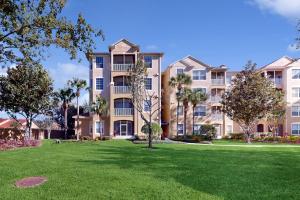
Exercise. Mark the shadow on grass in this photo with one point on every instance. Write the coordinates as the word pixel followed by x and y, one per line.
pixel 233 173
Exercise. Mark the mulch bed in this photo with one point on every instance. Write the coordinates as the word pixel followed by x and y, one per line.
pixel 31 182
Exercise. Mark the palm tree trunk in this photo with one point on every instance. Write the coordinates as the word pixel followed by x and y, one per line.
pixel 193 120
pixel 177 118
pixel 184 119
pixel 77 125
pixel 66 121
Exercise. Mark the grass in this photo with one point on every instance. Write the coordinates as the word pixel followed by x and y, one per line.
pixel 122 170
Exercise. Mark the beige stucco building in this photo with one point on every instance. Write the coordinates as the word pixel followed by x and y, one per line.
pixel 109 78
pixel 285 74
pixel 211 80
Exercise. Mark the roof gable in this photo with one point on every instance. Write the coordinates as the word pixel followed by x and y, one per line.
pixel 280 63
pixel 190 61
pixel 123 44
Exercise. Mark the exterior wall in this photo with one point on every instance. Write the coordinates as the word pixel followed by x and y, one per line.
pixel 108 72
pixel 190 64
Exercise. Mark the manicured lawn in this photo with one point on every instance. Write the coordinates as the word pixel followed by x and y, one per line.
pixel 122 170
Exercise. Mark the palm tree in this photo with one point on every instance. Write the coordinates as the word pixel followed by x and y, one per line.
pixel 185 98
pixel 197 97
pixel 65 96
pixel 77 84
pixel 179 82
pixel 100 106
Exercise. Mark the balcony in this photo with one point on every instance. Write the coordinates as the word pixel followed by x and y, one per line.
pixel 122 67
pixel 218 81
pixel 216 117
pixel 216 99
pixel 121 89
pixel 277 81
pixel 123 111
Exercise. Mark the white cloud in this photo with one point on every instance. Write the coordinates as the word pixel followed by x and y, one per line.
pixel 66 71
pixel 151 47
pixel 286 8
pixel 3 70
pixel 293 48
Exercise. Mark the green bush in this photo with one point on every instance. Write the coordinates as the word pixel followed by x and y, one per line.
pixel 237 136
pixel 208 131
pixel 156 130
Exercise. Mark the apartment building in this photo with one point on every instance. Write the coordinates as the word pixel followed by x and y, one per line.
pixel 211 80
pixel 109 78
pixel 285 74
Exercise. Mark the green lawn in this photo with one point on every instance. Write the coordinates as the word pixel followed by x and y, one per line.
pixel 122 170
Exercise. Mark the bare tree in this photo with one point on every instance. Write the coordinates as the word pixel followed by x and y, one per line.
pixel 146 102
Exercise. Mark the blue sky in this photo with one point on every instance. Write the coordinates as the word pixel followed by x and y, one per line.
pixel 229 32
pixel 214 31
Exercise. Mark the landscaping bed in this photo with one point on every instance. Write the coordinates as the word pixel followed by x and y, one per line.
pixel 14 144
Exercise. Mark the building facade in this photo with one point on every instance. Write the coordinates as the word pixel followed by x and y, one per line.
pixel 109 78
pixel 285 74
pixel 211 80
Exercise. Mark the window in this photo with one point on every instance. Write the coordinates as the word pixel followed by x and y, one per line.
pixel 99 83
pixel 296 74
pixel 148 83
pixel 296 111
pixel 99 62
pixel 200 111
pixel 148 61
pixel 199 75
pixel 295 129
pixel 147 105
pixel 203 90
pixel 99 127
pixel 228 80
pixel 296 92
pixel 229 129
pixel 179 71
pixel 180 110
pixel 180 129
pixel 197 129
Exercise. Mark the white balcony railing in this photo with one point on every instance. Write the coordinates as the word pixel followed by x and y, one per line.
pixel 218 81
pixel 123 111
pixel 216 99
pixel 122 67
pixel 216 116
pixel 121 89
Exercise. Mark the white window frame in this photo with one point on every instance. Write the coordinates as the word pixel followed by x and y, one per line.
pixel 101 122
pixel 298 75
pixel 200 70
pixel 295 105
pixel 297 130
pixel 147 105
pixel 181 68
pixel 199 129
pixel 180 130
pixel 148 62
pixel 231 128
pixel 298 92
pixel 200 112
pixel 99 63
pixel 180 114
pixel 151 83
pixel 96 84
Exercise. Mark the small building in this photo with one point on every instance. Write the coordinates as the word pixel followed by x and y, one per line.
pixel 13 127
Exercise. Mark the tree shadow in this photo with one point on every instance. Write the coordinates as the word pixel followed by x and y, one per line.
pixel 229 173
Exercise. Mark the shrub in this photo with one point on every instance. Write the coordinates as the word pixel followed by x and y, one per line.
pixel 156 130
pixel 12 144
pixel 208 131
pixel 237 136
pixel 86 138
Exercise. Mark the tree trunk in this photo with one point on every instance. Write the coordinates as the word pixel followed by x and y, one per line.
pixel 184 119
pixel 49 134
pixel 150 133
pixel 248 135
pixel 177 118
pixel 66 121
pixel 77 125
pixel 193 120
